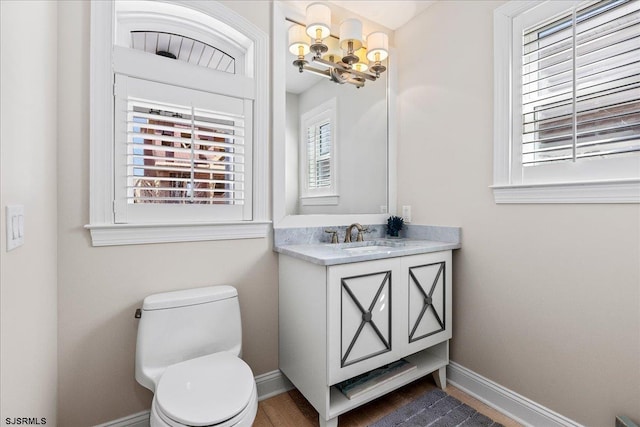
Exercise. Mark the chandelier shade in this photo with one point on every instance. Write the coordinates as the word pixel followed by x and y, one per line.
pixel 333 52
pixel 298 41
pixel 318 19
pixel 378 45
pixel 351 32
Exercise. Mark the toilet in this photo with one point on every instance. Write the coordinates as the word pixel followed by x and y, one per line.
pixel 188 354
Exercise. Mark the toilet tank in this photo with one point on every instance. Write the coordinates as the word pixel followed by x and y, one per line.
pixel 182 325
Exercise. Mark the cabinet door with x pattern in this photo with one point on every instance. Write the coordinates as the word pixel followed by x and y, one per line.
pixel 428 300
pixel 363 317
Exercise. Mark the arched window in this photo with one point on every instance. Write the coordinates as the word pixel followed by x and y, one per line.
pixel 179 145
pixel 184 48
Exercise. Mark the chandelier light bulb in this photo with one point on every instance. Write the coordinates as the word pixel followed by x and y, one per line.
pixel 318 19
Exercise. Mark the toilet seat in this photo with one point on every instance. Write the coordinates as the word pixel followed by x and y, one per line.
pixel 213 390
pixel 243 419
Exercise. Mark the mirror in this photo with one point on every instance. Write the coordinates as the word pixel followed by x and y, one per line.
pixel 355 150
pixel 361 141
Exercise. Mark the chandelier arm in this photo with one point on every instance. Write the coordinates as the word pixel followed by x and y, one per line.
pixel 355 82
pixel 338 65
pixel 337 76
pixel 317 71
pixel 342 77
pixel 345 68
pixel 360 74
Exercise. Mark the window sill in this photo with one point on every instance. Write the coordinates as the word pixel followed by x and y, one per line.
pixel 137 234
pixel 319 200
pixel 615 191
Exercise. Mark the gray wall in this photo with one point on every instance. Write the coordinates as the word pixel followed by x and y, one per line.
pixel 28 277
pixel 100 288
pixel 546 297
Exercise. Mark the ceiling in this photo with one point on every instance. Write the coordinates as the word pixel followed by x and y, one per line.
pixel 393 14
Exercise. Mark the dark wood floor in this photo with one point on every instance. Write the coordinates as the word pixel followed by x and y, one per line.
pixel 291 409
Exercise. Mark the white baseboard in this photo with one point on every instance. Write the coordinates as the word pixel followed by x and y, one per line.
pixel 269 384
pixel 141 419
pixel 510 403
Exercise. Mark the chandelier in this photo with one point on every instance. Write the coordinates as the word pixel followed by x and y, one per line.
pixel 345 60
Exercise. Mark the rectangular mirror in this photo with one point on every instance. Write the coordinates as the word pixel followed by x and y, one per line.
pixel 339 133
pixel 333 143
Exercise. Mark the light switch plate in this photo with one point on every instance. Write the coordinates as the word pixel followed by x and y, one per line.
pixel 406 213
pixel 15 226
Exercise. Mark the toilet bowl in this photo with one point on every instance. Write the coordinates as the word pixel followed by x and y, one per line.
pixel 244 419
pixel 188 352
pixel 214 390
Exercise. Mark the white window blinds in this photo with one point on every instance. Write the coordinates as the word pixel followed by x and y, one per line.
pixel 183 148
pixel 581 85
pixel 179 154
pixel 319 155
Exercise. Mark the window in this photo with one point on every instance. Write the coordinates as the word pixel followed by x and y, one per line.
pixel 185 153
pixel 183 48
pixel 318 171
pixel 567 129
pixel 178 124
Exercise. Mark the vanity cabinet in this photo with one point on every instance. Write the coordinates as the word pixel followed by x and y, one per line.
pixel 339 321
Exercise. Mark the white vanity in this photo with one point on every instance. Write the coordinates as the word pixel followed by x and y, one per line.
pixel 347 309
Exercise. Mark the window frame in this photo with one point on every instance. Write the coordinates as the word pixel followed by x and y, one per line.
pixel 103 228
pixel 326 196
pixel 558 187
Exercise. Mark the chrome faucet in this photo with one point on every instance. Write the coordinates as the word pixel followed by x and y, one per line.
pixel 359 238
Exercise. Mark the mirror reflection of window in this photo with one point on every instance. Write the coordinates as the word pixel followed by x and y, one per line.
pixel 318 177
pixel 319 155
pixel 359 145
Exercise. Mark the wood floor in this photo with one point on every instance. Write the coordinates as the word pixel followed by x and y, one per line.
pixel 291 409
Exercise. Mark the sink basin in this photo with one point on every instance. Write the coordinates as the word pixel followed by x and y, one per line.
pixel 367 249
pixel 372 246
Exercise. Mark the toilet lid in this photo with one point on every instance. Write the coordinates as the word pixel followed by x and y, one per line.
pixel 205 391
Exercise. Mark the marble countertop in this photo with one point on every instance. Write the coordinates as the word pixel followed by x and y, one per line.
pixel 343 253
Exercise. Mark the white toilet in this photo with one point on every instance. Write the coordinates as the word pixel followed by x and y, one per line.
pixel 188 354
